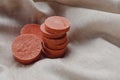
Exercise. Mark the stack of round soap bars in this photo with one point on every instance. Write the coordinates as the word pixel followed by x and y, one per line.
pixel 50 39
pixel 54 36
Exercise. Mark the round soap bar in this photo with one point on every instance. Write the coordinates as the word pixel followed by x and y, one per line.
pixel 54 52
pixel 57 24
pixel 57 47
pixel 52 55
pixel 26 48
pixel 31 29
pixel 50 35
pixel 55 41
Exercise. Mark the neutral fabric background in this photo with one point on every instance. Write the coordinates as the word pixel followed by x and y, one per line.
pixel 93 51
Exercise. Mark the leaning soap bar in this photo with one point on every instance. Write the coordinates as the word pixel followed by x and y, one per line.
pixel 26 48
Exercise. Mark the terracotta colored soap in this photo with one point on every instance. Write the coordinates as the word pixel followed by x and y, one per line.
pixel 31 29
pixel 55 41
pixel 54 52
pixel 57 47
pixel 57 24
pixel 26 48
pixel 49 35
pixel 52 55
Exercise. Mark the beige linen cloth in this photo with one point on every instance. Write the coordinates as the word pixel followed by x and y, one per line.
pixel 93 52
